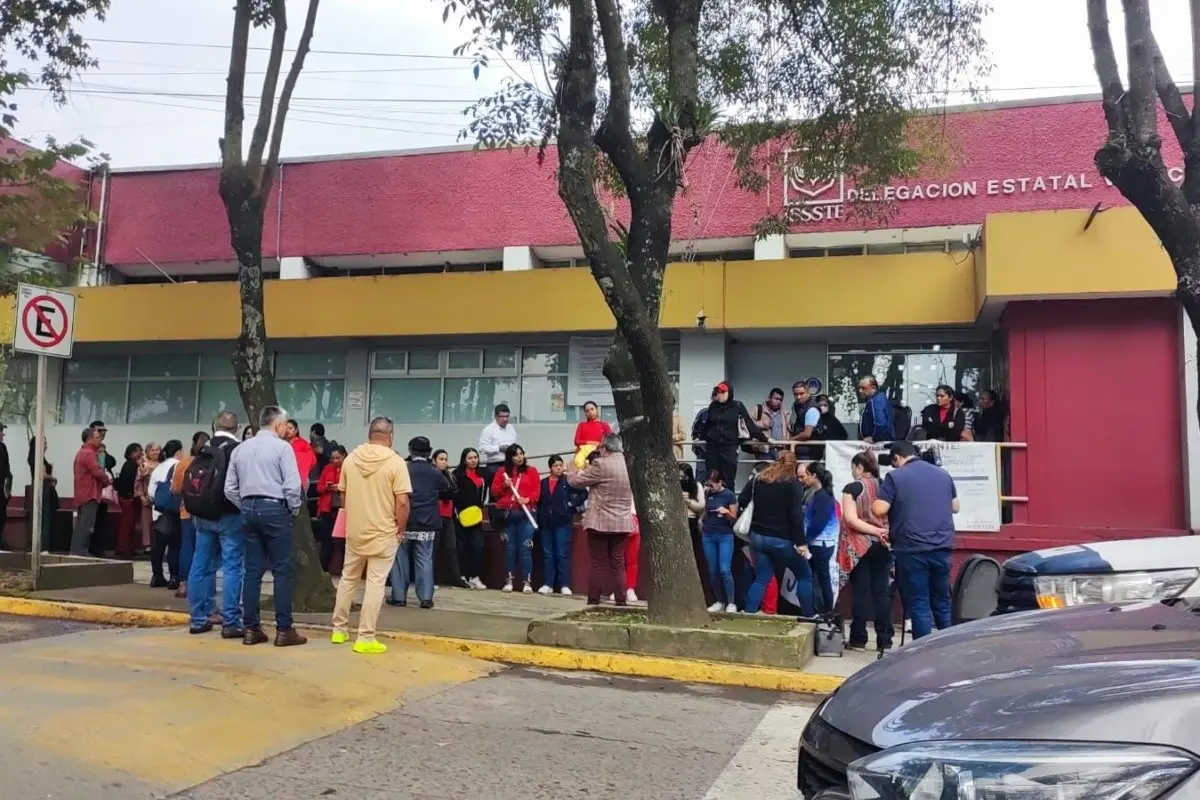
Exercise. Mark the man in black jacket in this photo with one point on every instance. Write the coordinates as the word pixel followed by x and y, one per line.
pixel 429 484
pixel 727 425
pixel 6 479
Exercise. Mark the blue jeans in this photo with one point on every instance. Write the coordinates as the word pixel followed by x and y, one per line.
pixel 924 580
pixel 518 537
pixel 771 552
pixel 422 555
pixel 718 552
pixel 187 547
pixel 822 579
pixel 219 545
pixel 268 528
pixel 556 555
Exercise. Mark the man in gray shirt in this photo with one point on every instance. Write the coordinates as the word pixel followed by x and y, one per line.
pixel 263 481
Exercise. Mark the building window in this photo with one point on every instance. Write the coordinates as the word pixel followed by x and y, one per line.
pixel 907 374
pixel 311 387
pixel 95 389
pixel 464 385
pixel 18 384
pixel 193 389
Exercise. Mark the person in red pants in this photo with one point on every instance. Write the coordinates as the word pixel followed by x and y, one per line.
pixel 127 544
pixel 633 549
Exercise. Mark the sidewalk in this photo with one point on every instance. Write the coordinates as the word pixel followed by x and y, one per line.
pixel 459 614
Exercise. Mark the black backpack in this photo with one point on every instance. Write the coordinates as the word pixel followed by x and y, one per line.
pixel 204 483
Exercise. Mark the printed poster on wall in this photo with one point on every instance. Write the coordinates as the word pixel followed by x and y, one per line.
pixel 586 379
pixel 971 464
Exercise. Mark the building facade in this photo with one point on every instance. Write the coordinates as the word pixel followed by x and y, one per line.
pixel 429 286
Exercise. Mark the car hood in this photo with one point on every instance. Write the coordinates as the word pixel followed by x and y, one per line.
pixel 1127 555
pixel 1127 672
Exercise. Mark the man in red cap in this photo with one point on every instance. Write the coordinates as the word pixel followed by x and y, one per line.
pixel 727 425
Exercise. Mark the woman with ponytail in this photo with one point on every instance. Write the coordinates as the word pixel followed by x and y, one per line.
pixel 821 529
pixel 864 555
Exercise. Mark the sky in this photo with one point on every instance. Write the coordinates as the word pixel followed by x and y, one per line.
pixel 382 75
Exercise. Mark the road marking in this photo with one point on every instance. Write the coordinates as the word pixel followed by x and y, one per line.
pixel 765 767
pixel 102 700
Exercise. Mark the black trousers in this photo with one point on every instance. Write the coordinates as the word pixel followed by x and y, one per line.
pixel 447 544
pixel 164 544
pixel 469 546
pixel 323 533
pixel 724 459
pixel 872 596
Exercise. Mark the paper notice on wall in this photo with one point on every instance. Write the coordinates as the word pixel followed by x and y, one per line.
pixel 586 379
pixel 971 464
pixel 355 400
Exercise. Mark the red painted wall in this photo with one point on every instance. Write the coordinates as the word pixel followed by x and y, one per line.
pixel 1095 391
pixel 468 200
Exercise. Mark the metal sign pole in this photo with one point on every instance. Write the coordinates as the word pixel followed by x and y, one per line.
pixel 39 474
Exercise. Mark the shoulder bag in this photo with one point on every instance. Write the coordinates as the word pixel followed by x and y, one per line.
pixel 741 528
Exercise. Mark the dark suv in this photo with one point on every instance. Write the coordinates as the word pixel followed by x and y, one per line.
pixel 1095 702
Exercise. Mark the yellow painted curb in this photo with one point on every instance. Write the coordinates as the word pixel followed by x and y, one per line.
pixel 676 669
pixel 85 612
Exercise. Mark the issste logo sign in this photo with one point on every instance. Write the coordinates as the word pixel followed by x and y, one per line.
pixel 817 198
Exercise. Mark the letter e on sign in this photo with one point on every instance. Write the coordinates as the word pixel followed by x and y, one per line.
pixel 45 321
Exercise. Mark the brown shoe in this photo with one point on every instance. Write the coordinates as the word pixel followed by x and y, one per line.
pixel 254 636
pixel 289 638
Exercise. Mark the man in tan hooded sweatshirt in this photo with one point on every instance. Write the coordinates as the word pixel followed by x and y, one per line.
pixel 376 488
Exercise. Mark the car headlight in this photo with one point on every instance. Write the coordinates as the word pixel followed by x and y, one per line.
pixel 1062 591
pixel 1019 771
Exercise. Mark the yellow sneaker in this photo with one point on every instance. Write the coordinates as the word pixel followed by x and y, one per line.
pixel 370 647
pixel 339 637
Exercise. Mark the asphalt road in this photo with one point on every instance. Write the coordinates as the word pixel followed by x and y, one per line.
pixel 22 629
pixel 524 734
pixel 92 713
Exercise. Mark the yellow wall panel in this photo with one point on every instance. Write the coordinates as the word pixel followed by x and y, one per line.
pixel 392 305
pixel 1025 256
pixel 847 291
pixel 1048 254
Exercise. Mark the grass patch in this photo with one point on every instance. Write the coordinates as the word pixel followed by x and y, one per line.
pixel 15 582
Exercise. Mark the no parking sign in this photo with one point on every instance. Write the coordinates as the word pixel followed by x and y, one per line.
pixel 45 322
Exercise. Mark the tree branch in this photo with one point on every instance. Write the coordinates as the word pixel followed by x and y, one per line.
pixel 1106 65
pixel 1142 102
pixel 1171 99
pixel 615 136
pixel 285 98
pixel 266 105
pixel 235 88
pixel 577 181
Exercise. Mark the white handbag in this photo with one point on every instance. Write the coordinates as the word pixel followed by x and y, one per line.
pixel 741 528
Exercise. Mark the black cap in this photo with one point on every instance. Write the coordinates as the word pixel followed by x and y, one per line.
pixel 419 445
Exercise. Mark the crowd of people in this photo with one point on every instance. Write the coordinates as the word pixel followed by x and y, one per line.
pixel 227 501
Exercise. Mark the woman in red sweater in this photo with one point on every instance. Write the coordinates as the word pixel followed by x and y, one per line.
pixel 593 429
pixel 329 500
pixel 516 490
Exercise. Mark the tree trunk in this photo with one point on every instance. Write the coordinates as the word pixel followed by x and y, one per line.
pixel 312 591
pixel 251 359
pixel 676 597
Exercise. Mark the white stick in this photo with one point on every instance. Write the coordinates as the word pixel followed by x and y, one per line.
pixel 519 499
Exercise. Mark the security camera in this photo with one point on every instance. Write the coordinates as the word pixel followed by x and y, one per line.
pixel 701 319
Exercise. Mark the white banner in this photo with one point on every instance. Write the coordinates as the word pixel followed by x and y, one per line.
pixel 971 464
pixel 585 377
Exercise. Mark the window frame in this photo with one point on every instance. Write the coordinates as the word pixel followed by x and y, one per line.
pixel 518 372
pixel 198 378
